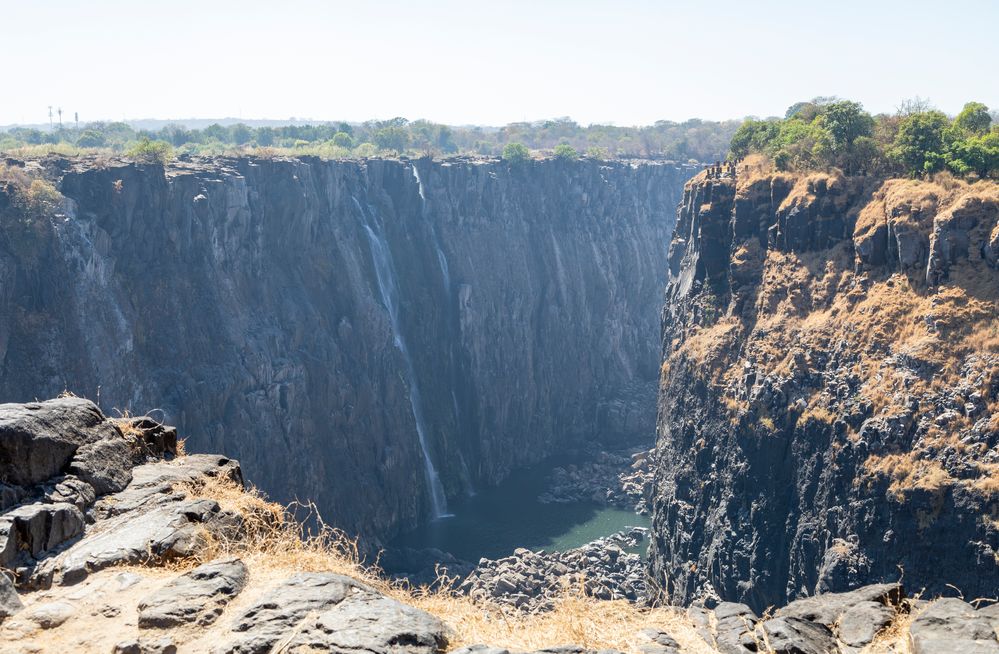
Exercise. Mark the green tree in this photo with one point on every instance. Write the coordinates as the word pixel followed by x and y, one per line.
pixel 240 134
pixel 393 138
pixel 845 121
pixel 516 153
pixel 753 136
pixel 919 144
pixel 566 152
pixel 215 132
pixel 343 140
pixel 91 138
pixel 977 154
pixel 973 119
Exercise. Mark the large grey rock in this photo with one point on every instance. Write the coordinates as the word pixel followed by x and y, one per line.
pixel 39 439
pixel 154 483
pixel 661 642
pixel 50 614
pixel 10 603
pixel 952 626
pixel 827 608
pixel 168 531
pixel 733 621
pixel 163 645
pixel 151 518
pixel 991 613
pixel 105 464
pixel 284 607
pixel 198 596
pixel 785 635
pixel 855 616
pixel 33 529
pixel 858 626
pixel 370 622
pixel 329 612
pixel 71 490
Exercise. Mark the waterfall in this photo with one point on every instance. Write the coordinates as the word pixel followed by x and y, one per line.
pixel 441 258
pixel 419 182
pixel 389 290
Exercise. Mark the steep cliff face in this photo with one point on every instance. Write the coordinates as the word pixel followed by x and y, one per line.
pixel 358 334
pixel 829 399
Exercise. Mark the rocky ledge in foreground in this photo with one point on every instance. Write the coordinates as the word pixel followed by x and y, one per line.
pixel 83 495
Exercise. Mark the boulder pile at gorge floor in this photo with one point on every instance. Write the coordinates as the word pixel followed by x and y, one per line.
pixel 534 581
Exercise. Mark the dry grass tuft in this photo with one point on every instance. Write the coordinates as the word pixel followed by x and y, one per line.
pixel 908 473
pixel 893 639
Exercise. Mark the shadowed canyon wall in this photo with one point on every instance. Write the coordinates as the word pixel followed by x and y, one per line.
pixel 314 319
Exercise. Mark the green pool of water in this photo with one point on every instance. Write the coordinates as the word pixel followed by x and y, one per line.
pixel 497 521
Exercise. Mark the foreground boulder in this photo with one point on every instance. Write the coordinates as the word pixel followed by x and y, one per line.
pixel 10 603
pixel 199 596
pixel 952 626
pixel 40 440
pixel 329 612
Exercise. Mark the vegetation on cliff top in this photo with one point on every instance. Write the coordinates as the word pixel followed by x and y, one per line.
pixel 916 140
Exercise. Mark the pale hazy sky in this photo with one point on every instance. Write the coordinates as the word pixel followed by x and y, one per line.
pixel 466 61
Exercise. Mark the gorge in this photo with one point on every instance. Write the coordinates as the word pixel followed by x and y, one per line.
pixel 378 337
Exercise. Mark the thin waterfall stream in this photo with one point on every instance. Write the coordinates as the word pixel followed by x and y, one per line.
pixel 389 291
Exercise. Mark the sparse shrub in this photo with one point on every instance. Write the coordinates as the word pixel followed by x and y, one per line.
pixel 597 152
pixel 42 198
pixel 365 150
pixel 34 198
pixel 151 152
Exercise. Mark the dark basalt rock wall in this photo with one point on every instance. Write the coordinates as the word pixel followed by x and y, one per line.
pixel 240 299
pixel 827 409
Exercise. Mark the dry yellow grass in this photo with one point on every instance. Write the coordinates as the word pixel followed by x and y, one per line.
pixel 273 543
pixel 908 472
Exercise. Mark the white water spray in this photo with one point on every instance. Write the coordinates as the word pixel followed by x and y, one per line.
pixel 389 290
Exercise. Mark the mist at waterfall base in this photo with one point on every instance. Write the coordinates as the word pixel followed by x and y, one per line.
pixel 498 520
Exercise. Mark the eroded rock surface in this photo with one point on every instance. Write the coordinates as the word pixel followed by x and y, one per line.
pixel 952 626
pixel 198 596
pixel 333 613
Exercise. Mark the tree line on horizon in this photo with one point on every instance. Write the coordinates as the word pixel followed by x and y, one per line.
pixel 691 140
